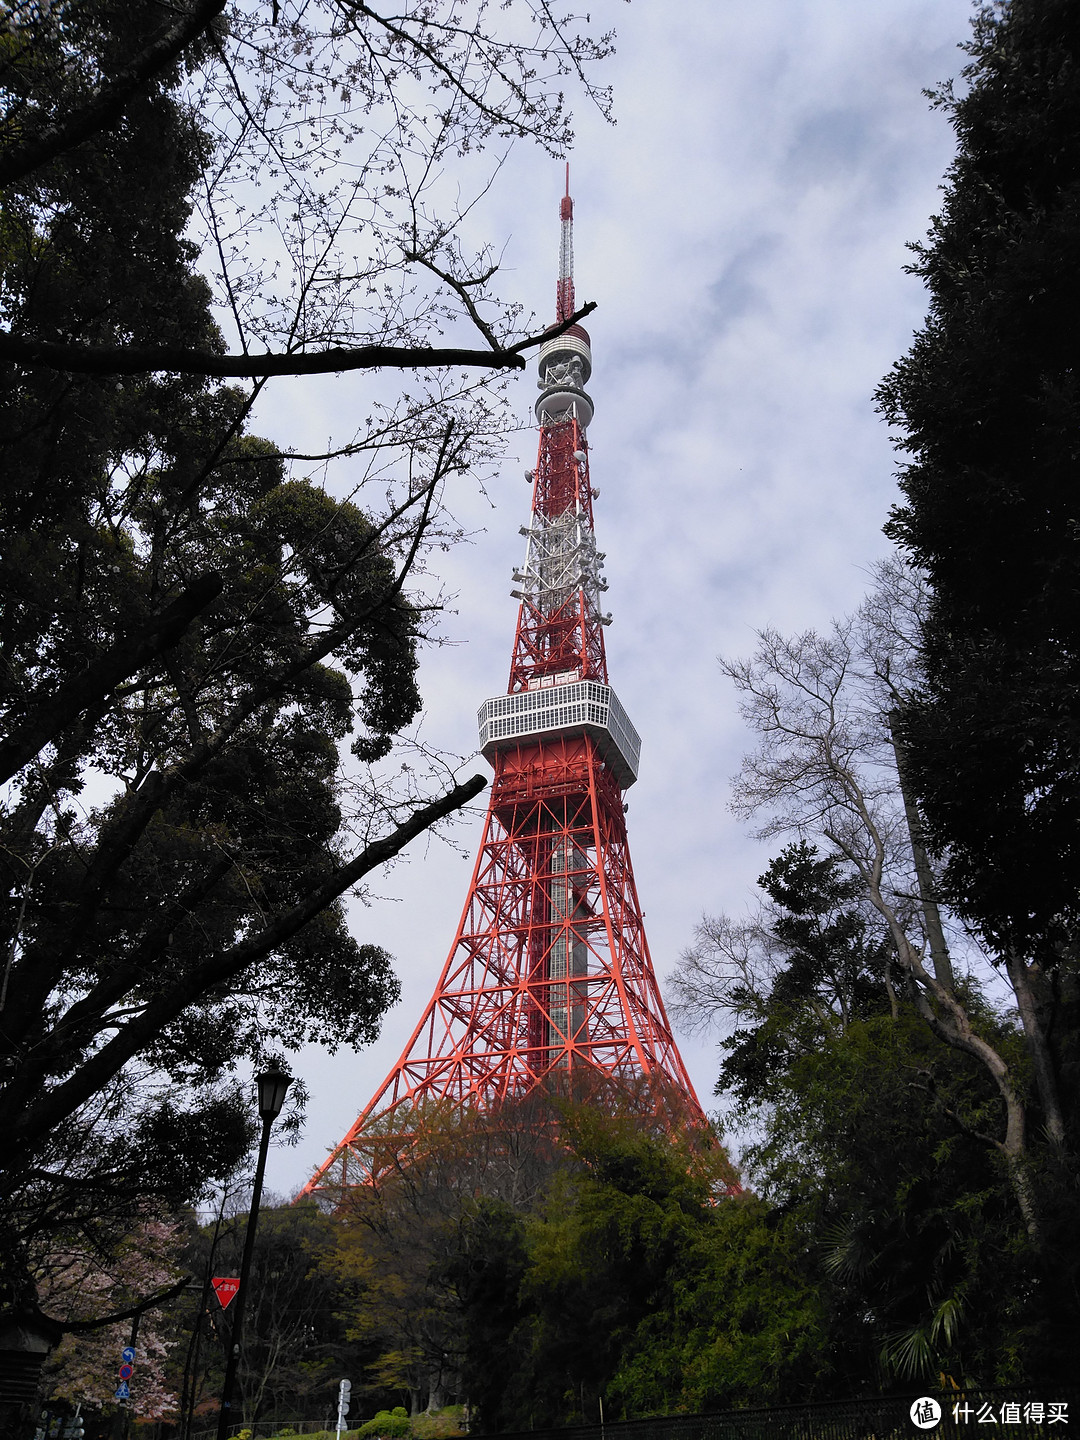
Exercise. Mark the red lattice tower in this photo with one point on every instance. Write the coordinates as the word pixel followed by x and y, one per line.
pixel 548 982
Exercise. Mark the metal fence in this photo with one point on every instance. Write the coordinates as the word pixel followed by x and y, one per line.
pixel 964 1415
pixel 272 1429
pixel 1007 1414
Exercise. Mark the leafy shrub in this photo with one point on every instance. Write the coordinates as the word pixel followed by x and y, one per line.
pixel 445 1423
pixel 387 1424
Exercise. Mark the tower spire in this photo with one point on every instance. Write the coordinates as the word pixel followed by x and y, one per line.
pixel 549 982
pixel 564 295
pixel 561 619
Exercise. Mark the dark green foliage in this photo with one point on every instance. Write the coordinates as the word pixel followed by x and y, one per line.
pixel 601 1261
pixel 387 1423
pixel 167 829
pixel 872 1151
pixel 485 1271
pixel 629 1284
pixel 743 1322
pixel 875 1141
pixel 832 971
pixel 989 408
pixel 94 249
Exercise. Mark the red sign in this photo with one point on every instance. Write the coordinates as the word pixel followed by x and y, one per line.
pixel 225 1286
pixel 126 1371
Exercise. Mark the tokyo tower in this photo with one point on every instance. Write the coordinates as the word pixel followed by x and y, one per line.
pixel 548 981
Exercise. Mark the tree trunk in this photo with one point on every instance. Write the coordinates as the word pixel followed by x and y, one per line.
pixel 952 1023
pixel 924 875
pixel 436 1393
pixel 1042 1061
pixel 1014 1148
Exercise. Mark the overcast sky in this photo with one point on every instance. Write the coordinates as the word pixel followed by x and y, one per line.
pixel 742 229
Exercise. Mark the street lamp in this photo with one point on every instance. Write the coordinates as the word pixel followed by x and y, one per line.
pixel 272 1085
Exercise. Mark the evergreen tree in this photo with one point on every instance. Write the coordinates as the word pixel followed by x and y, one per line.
pixel 872 1141
pixel 192 627
pixel 831 973
pixel 988 406
pixel 188 633
pixel 631 1286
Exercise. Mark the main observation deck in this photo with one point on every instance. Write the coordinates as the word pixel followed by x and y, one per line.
pixel 564 707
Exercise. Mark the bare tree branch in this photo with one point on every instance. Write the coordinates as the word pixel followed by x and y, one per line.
pixel 823 769
pixel 85 1327
pixel 50 1109
pixel 135 360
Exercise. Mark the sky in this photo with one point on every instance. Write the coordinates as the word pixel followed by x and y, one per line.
pixel 742 229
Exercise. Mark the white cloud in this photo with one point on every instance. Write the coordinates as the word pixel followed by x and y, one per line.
pixel 743 228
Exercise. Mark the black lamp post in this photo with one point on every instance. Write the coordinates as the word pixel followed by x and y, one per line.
pixel 272 1083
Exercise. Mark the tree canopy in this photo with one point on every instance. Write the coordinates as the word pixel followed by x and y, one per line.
pixel 871 1140
pixel 207 653
pixel 986 405
pixel 899 1100
pixel 542 1281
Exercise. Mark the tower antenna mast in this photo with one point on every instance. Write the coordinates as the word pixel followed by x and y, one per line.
pixel 564 295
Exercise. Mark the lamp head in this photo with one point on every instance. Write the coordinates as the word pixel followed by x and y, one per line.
pixel 273 1084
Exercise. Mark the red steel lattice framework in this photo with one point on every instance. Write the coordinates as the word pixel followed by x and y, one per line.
pixel 549 979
